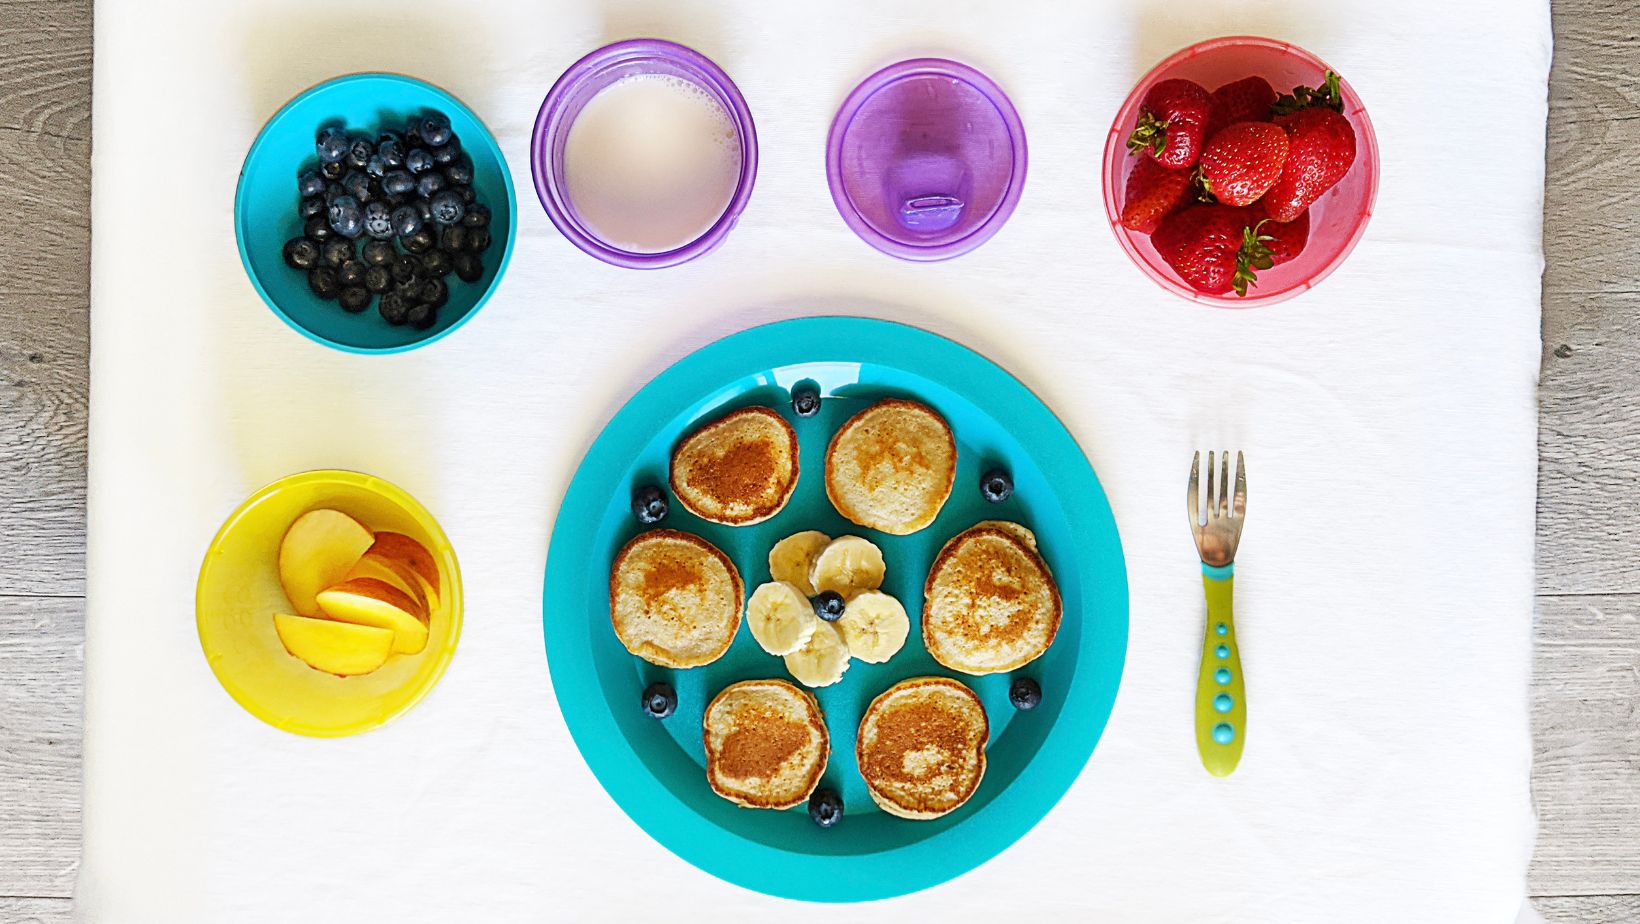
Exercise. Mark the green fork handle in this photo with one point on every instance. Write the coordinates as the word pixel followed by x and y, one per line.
pixel 1221 700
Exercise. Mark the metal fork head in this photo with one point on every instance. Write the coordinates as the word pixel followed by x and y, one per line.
pixel 1218 532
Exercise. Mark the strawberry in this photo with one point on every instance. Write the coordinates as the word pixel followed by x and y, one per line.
pixel 1285 240
pixel 1205 245
pixel 1320 148
pixel 1246 100
pixel 1173 123
pixel 1153 193
pixel 1242 161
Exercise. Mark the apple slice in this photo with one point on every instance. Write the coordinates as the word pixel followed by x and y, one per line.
pixel 394 572
pixel 414 556
pixel 369 602
pixel 339 648
pixel 318 550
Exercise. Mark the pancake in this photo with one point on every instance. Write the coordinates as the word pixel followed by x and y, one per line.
pixel 766 744
pixel 674 599
pixel 921 747
pixel 989 604
pixel 890 467
pixel 737 470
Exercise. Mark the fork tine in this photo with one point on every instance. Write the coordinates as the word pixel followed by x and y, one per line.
pixel 1194 501
pixel 1212 505
pixel 1224 485
pixel 1240 502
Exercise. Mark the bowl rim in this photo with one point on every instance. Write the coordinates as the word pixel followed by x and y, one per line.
pixel 1366 143
pixel 446 98
pixel 548 183
pixel 386 490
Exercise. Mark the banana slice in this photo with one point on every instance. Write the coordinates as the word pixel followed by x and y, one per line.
pixel 874 626
pixel 780 617
pixel 822 659
pixel 792 558
pixel 1013 529
pixel 849 565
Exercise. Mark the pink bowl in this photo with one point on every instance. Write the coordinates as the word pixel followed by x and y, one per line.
pixel 1337 219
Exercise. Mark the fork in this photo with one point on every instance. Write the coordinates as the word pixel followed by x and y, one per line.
pixel 1221 699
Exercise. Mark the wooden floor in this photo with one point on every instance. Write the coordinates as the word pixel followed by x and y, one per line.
pixel 1586 688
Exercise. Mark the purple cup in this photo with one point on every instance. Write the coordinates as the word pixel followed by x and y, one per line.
pixel 584 80
pixel 926 159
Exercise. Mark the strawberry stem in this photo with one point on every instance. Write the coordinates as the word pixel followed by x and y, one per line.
pixel 1151 133
pixel 1328 94
pixel 1253 255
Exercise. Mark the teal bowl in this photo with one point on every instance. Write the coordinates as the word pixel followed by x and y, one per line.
pixel 265 216
pixel 655 770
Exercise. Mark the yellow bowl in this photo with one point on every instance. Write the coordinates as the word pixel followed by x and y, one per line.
pixel 239 592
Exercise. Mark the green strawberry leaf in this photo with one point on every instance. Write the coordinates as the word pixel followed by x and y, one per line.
pixel 1151 133
pixel 1253 255
pixel 1328 94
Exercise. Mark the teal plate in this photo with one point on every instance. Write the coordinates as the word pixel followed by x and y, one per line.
pixel 655 770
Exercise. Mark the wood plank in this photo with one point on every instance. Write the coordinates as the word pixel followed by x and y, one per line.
pixel 41 642
pixel 43 389
pixel 36 910
pixel 1586 753
pixel 1589 909
pixel 48 185
pixel 45 67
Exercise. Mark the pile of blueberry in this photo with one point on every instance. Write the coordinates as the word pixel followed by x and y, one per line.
pixel 409 197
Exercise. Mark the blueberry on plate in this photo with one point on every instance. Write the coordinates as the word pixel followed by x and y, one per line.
pixel 996 486
pixel 434 128
pixel 377 279
pixel 421 316
pixel 434 292
pixel 429 184
pixel 1025 694
pixel 468 197
pixel 322 280
pixel 436 263
pixel 398 182
pixel 453 239
pixel 359 152
pixel 805 401
pixel 351 273
pixel 478 215
pixel 332 144
pixel 459 173
pixel 347 216
pixel 318 228
pixel 659 700
pixel 649 505
pixel 334 190
pixel 406 220
pixel 468 267
pixel 336 251
pixel 333 171
pixel 826 807
pixel 301 253
pixel 386 135
pixel 379 253
pixel 829 606
pixel 478 239
pixel 446 155
pixel 376 166
pixel 355 299
pixel 378 221
pixel 405 269
pixel 309 183
pixel 393 308
pixel 418 161
pixel 357 185
pixel 420 242
pixel 311 206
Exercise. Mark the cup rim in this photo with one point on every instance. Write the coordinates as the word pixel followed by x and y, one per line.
pixel 447 98
pixel 1367 158
pixel 554 110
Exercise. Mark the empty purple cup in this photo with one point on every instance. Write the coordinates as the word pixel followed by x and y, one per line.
pixel 583 81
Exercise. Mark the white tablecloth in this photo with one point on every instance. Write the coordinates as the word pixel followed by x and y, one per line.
pixel 1388 417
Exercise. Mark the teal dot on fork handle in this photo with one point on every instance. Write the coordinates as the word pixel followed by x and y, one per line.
pixel 1223 733
pixel 1222 675
pixel 1222 651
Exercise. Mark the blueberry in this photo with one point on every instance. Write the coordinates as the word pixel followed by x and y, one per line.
pixel 311 206
pixel 393 309
pixel 398 182
pixel 446 155
pixel 429 184
pixel 301 253
pixel 805 401
pixel 467 267
pixel 659 700
pixel 378 221
pixel 359 152
pixel 423 208
pixel 1025 694
pixel 386 136
pixel 434 292
pixel 996 486
pixel 333 171
pixel 649 505
pixel 346 216
pixel 434 129
pixel 409 290
pixel 418 161
pixel 829 606
pixel 351 273
pixel 447 207
pixel 422 316
pixel 379 253
pixel 355 299
pixel 377 279
pixel 391 151
pixel 412 135
pixel 478 215
pixel 406 220
pixel 334 190
pixel 405 269
pixel 336 251
pixel 309 183
pixel 357 185
pixel 437 263
pixel 332 144
pixel 453 239
pixel 478 240
pixel 420 242
pixel 322 280
pixel 318 228
pixel 459 173
pixel 376 166
pixel 468 197
pixel 826 807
